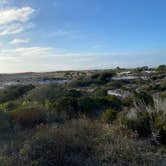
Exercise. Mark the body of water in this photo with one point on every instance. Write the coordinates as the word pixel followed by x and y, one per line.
pixel 35 82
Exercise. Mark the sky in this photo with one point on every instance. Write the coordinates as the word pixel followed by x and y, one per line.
pixel 51 35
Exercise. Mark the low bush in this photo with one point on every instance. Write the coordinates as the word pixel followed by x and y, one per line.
pixel 71 144
pixel 5 161
pixel 5 127
pixel 14 92
pixel 9 106
pixel 73 93
pixel 84 82
pixel 161 69
pixel 143 98
pixel 92 105
pixel 109 115
pixel 102 92
pixel 119 146
pixel 28 117
pixel 148 121
pixel 46 93
pixel 115 102
pixel 84 142
pixel 66 107
pixel 160 123
pixel 140 124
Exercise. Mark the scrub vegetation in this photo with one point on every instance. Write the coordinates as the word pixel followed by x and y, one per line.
pixel 99 118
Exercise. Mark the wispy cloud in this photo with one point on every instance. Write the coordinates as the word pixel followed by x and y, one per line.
pixel 19 41
pixel 11 29
pixel 48 59
pixel 15 15
pixel 14 21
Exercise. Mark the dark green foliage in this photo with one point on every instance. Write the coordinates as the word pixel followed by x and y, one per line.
pixel 91 106
pixel 109 115
pixel 5 161
pixel 5 124
pixel 157 87
pixel 14 92
pixel 161 69
pixel 50 93
pixel 73 93
pixel 104 76
pixel 100 92
pixel 141 124
pixel 67 106
pixel 87 104
pixel 28 117
pixel 116 84
pixel 96 79
pixel 140 69
pixel 127 101
pixel 95 76
pixel 84 82
pixel 71 107
pixel 42 127
pixel 68 145
pixel 115 102
pixel 144 98
pixel 162 134
pixel 9 106
pixel 160 122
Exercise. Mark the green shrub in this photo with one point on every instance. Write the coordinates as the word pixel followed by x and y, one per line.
pixel 8 106
pixel 102 92
pixel 92 105
pixel 115 102
pixel 86 105
pixel 117 84
pixel 71 144
pixel 148 121
pixel 28 117
pixel 84 82
pixel 5 161
pixel 139 124
pixel 160 123
pixel 109 115
pixel 73 93
pixel 46 93
pixel 161 69
pixel 105 76
pixel 14 92
pixel 66 106
pixel 5 126
pixel 127 101
pixel 143 98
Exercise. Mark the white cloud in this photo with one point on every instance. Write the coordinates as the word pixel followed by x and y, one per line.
pixel 26 59
pixel 11 29
pixel 26 52
pixel 19 41
pixel 15 15
pixel 14 21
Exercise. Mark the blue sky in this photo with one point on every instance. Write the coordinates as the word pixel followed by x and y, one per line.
pixel 81 34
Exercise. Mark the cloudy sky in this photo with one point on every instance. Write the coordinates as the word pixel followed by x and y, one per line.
pixel 49 35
